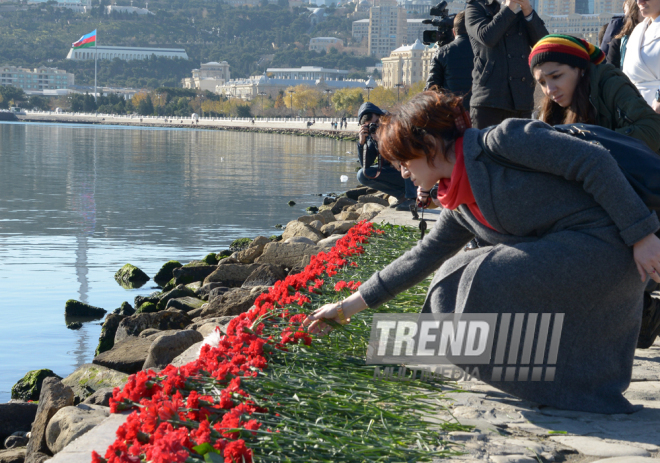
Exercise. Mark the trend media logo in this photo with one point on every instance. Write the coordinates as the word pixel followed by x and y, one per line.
pixel 526 345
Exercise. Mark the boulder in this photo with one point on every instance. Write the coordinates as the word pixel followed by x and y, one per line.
pixel 393 201
pixel 231 303
pixel 73 325
pixel 18 439
pixel 87 379
pixel 125 310
pixel 129 276
pixel 100 397
pixel 150 331
pixel 54 396
pixel 337 227
pixel 165 273
pixel 248 255
pixel 308 219
pixel 327 216
pixel 354 208
pixel 197 312
pixel 148 307
pixel 108 331
pixel 73 308
pixel 72 422
pixel 240 244
pixel 265 275
pixel 185 304
pixel 330 241
pixel 373 199
pixel 165 348
pixel 372 207
pixel 139 300
pixel 203 291
pixel 219 291
pixel 178 291
pixel 228 260
pixel 316 224
pixel 329 200
pixel 14 455
pixel 299 239
pixel 210 259
pixel 189 273
pixel 355 193
pixel 222 322
pixel 16 416
pixel 368 216
pixel 339 205
pixel 296 228
pixel 289 255
pixel 194 286
pixel 37 457
pixel 348 215
pixel 127 355
pixel 232 275
pixel 29 387
pixel 189 355
pixel 134 325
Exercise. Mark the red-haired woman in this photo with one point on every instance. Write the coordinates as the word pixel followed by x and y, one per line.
pixel 570 237
pixel 580 88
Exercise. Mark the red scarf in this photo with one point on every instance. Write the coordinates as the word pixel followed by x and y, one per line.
pixel 454 191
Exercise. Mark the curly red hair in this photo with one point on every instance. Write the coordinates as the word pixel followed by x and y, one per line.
pixel 402 134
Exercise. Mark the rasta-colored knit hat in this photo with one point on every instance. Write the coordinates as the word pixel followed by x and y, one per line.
pixel 565 49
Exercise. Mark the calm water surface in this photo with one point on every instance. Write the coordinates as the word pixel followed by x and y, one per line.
pixel 78 202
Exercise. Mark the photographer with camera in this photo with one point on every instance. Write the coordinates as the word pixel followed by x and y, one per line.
pixel 383 177
pixel 502 38
pixel 452 65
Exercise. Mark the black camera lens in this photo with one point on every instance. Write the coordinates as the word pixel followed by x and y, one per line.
pixel 373 127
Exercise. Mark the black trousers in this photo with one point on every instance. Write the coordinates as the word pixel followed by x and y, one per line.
pixel 483 117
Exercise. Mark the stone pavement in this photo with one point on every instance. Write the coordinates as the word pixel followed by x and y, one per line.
pixel 507 429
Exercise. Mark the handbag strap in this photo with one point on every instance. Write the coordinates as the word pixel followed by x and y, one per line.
pixel 497 158
pixel 364 162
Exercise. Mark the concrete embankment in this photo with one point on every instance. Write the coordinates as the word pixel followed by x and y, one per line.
pixel 320 128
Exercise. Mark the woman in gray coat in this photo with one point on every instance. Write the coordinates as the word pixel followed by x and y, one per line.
pixel 572 237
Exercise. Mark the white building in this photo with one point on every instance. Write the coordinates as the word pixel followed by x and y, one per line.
pixel 387 28
pixel 579 25
pixel 125 53
pixel 307 73
pixel 36 80
pixel 360 29
pixel 208 76
pixel 325 43
pixel 407 65
pixel 79 6
pixel 126 9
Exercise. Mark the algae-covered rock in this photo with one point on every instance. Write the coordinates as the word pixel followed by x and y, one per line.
pixel 312 209
pixel 74 325
pixel 89 378
pixel 291 203
pixel 108 331
pixel 178 291
pixel 129 277
pixel 223 254
pixel 29 387
pixel 73 308
pixel 125 310
pixel 190 273
pixel 240 244
pixel 170 285
pixel 165 273
pixel 147 307
pixel 210 259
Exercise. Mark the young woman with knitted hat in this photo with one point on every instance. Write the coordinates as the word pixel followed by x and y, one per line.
pixel 580 87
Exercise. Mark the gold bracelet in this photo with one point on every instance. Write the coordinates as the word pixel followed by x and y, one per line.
pixel 340 314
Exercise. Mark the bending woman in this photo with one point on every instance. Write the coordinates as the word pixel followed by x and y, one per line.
pixel 571 238
pixel 580 87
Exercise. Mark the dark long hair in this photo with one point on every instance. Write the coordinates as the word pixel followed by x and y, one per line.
pixel 632 19
pixel 580 110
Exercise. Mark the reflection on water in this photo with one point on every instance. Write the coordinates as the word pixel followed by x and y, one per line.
pixel 78 202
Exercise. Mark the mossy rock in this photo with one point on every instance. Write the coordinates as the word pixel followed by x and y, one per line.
pixel 291 203
pixel 77 309
pixel 179 291
pixel 89 378
pixel 165 273
pixel 74 325
pixel 312 209
pixel 130 277
pixel 326 207
pixel 170 285
pixel 148 307
pixel 276 237
pixel 107 336
pixel 29 387
pixel 240 244
pixel 210 259
pixel 125 310
pixel 279 226
pixel 225 253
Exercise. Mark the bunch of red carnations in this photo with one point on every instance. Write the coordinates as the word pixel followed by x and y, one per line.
pixel 198 412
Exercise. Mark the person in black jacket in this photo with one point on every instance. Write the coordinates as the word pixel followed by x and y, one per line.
pixel 452 65
pixel 383 177
pixel 501 38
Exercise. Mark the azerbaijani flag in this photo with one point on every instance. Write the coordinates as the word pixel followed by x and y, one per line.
pixel 85 41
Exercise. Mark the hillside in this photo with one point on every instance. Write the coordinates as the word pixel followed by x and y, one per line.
pixel 208 30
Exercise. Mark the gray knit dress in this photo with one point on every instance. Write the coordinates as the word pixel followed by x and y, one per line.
pixel 563 245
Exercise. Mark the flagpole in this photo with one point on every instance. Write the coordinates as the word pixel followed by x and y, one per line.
pixel 96 59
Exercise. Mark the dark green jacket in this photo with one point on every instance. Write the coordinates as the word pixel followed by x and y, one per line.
pixel 620 107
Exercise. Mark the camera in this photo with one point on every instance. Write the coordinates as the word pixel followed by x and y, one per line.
pixel 372 128
pixel 444 22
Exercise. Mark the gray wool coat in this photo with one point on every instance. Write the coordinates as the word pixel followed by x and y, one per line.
pixel 563 244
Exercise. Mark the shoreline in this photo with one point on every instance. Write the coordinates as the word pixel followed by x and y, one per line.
pixel 276 126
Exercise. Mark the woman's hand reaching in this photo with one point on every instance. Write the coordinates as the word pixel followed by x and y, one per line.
pixel 647 257
pixel 350 306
